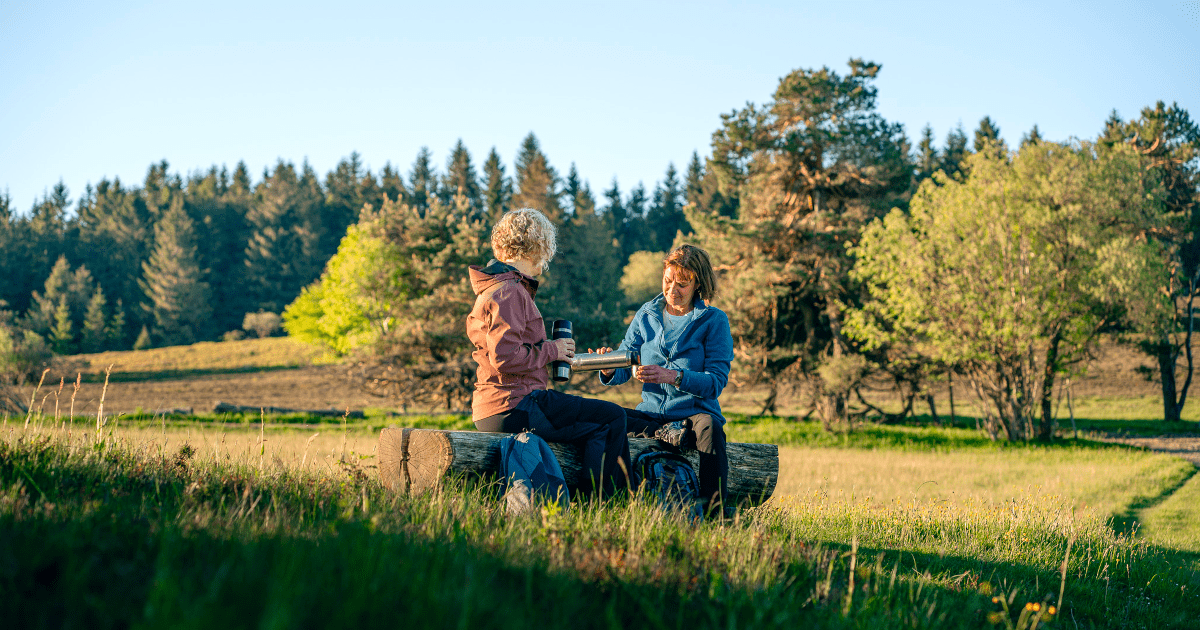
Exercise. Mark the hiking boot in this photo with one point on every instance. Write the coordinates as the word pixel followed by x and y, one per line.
pixel 678 434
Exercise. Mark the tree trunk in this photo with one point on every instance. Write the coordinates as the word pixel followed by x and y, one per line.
pixel 1166 372
pixel 932 407
pixel 415 460
pixel 953 416
pixel 1046 429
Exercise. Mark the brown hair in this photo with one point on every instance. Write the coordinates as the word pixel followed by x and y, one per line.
pixel 694 262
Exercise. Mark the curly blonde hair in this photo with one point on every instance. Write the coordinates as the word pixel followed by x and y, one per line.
pixel 524 233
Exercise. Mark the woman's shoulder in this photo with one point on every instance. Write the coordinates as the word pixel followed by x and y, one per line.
pixel 714 316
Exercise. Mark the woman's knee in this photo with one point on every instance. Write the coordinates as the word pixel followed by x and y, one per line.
pixel 708 430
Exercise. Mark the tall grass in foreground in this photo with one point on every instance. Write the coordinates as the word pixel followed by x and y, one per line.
pixel 99 534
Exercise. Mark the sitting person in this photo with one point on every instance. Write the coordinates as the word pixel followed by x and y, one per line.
pixel 685 349
pixel 512 352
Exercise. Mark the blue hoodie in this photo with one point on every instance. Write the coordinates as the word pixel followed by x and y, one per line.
pixel 702 353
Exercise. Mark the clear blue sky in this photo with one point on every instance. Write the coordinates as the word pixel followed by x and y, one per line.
pixel 96 89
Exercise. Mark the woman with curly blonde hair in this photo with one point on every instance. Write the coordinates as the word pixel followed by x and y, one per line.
pixel 512 391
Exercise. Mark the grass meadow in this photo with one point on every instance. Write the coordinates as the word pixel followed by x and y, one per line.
pixel 246 521
pixel 278 521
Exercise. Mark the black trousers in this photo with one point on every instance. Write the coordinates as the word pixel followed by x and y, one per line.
pixel 710 442
pixel 597 426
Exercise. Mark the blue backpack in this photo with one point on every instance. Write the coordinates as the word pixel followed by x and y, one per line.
pixel 529 471
pixel 669 477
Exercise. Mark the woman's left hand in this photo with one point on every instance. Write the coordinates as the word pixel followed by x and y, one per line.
pixel 654 374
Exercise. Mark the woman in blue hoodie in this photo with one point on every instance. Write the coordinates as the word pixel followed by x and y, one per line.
pixel 685 349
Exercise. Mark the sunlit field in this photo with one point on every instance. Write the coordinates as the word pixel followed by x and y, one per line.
pixel 211 525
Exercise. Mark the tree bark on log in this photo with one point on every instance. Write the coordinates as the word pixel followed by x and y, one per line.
pixel 415 460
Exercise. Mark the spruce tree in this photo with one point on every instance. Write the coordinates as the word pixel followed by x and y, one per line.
pixel 40 316
pixel 275 264
pixel 391 184
pixel 573 192
pixel 665 217
pixel 95 324
pixel 172 280
pixel 115 332
pixel 461 179
pixel 1033 137
pixel 927 155
pixel 45 235
pixel 537 183
pixel 62 334
pixel 143 341
pixel 116 234
pixel 693 181
pixel 635 237
pixel 955 152
pixel 987 138
pixel 423 180
pixel 497 194
pixel 585 273
pixel 347 187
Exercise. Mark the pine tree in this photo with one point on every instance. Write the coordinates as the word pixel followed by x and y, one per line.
pixel 116 234
pixel 665 217
pixel 537 183
pixel 987 138
pixel 391 183
pixel 95 333
pixel 62 335
pixel 115 332
pixel 693 181
pixel 614 209
pixel 787 283
pixel 143 340
pixel 955 152
pixel 46 231
pixel 172 281
pixel 497 194
pixel 584 277
pixel 927 155
pixel 347 187
pixel 573 189
pixel 635 236
pixel 423 180
pixel 40 316
pixel 275 265
pixel 1033 137
pixel 461 179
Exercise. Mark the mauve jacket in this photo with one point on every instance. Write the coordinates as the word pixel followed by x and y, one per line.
pixel 509 337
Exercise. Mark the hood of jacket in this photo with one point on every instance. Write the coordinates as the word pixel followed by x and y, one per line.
pixel 496 272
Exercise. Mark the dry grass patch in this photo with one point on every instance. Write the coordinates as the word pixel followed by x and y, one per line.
pixel 1105 481
pixel 247 354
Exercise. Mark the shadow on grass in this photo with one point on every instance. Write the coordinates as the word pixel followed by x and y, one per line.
pixel 119 542
pixel 1128 522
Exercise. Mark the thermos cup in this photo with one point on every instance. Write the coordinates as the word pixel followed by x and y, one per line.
pixel 561 370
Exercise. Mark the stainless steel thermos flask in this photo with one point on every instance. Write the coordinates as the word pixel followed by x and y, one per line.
pixel 561 370
pixel 591 362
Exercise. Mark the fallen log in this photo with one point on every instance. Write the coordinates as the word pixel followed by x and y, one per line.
pixel 415 460
pixel 224 407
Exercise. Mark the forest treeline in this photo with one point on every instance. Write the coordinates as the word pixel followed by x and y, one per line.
pixel 845 253
pixel 176 259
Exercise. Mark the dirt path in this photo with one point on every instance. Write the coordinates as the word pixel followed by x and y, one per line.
pixel 1185 446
